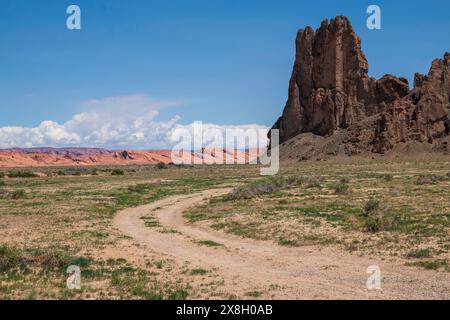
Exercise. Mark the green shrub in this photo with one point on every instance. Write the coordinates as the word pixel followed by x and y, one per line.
pixel 374 218
pixel 161 165
pixel 2 175
pixel 198 271
pixel 341 188
pixel 372 224
pixel 54 259
pixel 429 179
pixel 141 188
pixel 2 183
pixel 313 182
pixel 73 171
pixel 18 194
pixel 209 243
pixel 371 207
pixel 3 193
pixel 22 174
pixel 388 177
pixel 419 253
pixel 11 258
pixel 48 259
pixel 345 180
pixel 287 242
pixel 117 172
pixel 433 264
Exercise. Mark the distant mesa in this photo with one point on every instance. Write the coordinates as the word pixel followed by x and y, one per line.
pixel 44 157
pixel 334 108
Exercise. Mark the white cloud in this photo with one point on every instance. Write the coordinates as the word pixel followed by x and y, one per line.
pixel 203 135
pixel 116 123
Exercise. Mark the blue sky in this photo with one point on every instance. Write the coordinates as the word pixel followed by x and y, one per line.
pixel 221 62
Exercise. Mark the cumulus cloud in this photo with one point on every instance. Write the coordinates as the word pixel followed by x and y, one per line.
pixel 128 122
pixel 207 135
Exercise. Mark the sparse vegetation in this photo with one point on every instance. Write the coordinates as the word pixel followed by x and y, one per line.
pixel 419 253
pixel 432 264
pixel 254 294
pixel 371 207
pixel 135 282
pixel 48 259
pixel 392 221
pixel 341 188
pixel 67 216
pixel 209 243
pixel 373 223
pixel 75 171
pixel 150 222
pixel 18 194
pixel 429 179
pixel 161 165
pixel 287 242
pixel 345 180
pixel 14 195
pixel 117 172
pixel 198 271
pixel 141 188
pixel 267 186
pixel 22 174
pixel 313 182
pixel 3 193
pixel 374 216
pixel 63 213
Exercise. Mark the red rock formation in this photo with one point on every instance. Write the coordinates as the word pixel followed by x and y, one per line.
pixel 42 157
pixel 423 115
pixel 330 90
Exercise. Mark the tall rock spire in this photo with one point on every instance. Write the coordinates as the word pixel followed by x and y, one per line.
pixel 330 90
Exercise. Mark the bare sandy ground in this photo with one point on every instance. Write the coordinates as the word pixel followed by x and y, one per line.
pixel 245 265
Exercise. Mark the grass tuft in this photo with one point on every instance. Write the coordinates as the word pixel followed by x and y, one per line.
pixel 342 189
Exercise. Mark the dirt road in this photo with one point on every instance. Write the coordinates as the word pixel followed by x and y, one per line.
pixel 245 265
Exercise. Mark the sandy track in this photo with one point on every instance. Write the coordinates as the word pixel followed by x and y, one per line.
pixel 246 265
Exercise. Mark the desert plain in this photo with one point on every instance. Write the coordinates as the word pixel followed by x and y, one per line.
pixel 225 232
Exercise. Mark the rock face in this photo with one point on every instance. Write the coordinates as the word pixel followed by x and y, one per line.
pixel 330 92
pixel 423 115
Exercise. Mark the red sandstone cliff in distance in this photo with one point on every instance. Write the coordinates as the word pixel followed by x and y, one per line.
pixel 44 157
